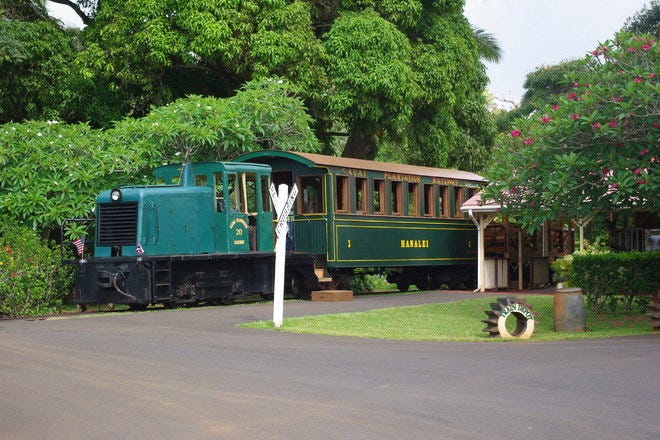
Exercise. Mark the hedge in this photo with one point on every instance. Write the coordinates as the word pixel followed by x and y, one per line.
pixel 609 279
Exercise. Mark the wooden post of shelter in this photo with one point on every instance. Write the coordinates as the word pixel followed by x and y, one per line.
pixel 481 220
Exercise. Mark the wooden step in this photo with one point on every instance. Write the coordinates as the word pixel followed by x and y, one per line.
pixel 332 295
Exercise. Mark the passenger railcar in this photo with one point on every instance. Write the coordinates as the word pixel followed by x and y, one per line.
pixel 354 213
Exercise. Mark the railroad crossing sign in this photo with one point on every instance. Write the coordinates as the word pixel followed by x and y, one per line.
pixel 282 211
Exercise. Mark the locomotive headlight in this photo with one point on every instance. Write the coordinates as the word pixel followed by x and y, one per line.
pixel 115 195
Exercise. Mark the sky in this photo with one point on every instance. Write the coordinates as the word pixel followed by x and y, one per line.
pixel 531 33
pixel 534 33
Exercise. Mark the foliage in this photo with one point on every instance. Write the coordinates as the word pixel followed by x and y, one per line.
pixel 608 279
pixel 592 149
pixel 51 171
pixel 403 73
pixel 456 321
pixel 149 53
pixel 645 21
pixel 34 59
pixel 32 278
pixel 264 114
pixel 541 88
pixel 372 84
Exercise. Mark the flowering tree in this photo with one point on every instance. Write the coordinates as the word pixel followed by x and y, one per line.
pixel 592 149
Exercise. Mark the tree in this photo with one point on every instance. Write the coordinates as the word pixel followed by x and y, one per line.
pixel 595 149
pixel 35 56
pixel 645 21
pixel 51 171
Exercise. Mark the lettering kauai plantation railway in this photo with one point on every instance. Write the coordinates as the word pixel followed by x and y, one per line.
pixel 204 233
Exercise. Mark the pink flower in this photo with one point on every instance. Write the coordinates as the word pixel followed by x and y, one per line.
pixel 596 125
pixel 546 119
pixel 606 171
pixel 571 96
pixel 15 274
pixel 616 99
pixel 575 116
pixel 638 79
pixel 641 181
pixel 555 107
pixel 632 49
pixel 651 75
pixel 532 165
pixel 576 84
pixel 645 47
pixel 638 171
pixel 613 124
pixel 656 125
pixel 595 53
pixel 532 203
pixel 8 250
pixel 528 141
pixel 644 151
pixel 515 133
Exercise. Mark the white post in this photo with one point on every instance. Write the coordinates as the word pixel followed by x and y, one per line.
pixel 280 254
pixel 481 225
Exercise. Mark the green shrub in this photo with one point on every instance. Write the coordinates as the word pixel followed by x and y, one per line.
pixel 610 279
pixel 32 278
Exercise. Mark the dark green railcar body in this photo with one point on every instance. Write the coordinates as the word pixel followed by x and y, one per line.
pixel 365 214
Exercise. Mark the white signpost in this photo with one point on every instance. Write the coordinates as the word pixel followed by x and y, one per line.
pixel 283 205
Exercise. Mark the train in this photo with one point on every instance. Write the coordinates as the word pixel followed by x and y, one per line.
pixel 204 231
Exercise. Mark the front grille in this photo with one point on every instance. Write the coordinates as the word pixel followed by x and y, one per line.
pixel 117 224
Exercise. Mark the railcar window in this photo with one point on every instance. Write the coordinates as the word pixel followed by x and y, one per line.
pixel 236 196
pixel 342 193
pixel 219 192
pixel 265 195
pixel 200 179
pixel 459 198
pixel 311 198
pixel 360 195
pixel 429 207
pixel 396 195
pixel 413 199
pixel 251 192
pixel 379 196
pixel 443 201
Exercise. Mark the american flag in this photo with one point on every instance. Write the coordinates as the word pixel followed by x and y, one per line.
pixel 79 244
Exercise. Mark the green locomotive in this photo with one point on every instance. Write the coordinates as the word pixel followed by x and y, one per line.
pixel 205 232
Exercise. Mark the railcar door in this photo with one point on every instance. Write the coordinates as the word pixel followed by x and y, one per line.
pixel 238 227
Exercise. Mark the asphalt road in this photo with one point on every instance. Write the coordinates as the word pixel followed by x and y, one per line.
pixel 191 374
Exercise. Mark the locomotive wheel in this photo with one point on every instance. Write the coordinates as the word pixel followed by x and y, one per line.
pixel 501 311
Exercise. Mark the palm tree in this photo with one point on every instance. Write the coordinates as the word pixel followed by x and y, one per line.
pixel 487 45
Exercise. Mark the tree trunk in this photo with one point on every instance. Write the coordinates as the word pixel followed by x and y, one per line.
pixel 360 146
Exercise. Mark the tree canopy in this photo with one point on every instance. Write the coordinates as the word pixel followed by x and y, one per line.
pixel 373 74
pixel 591 148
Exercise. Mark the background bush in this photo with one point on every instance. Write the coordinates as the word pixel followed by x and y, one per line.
pixel 610 279
pixel 32 277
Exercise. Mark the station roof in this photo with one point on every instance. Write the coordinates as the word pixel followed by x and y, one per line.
pixel 477 204
pixel 320 160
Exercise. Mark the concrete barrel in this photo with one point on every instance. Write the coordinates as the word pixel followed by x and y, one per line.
pixel 568 310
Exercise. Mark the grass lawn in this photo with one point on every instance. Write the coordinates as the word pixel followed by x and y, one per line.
pixel 458 321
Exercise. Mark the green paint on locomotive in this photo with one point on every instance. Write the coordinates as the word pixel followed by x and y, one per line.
pixel 200 208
